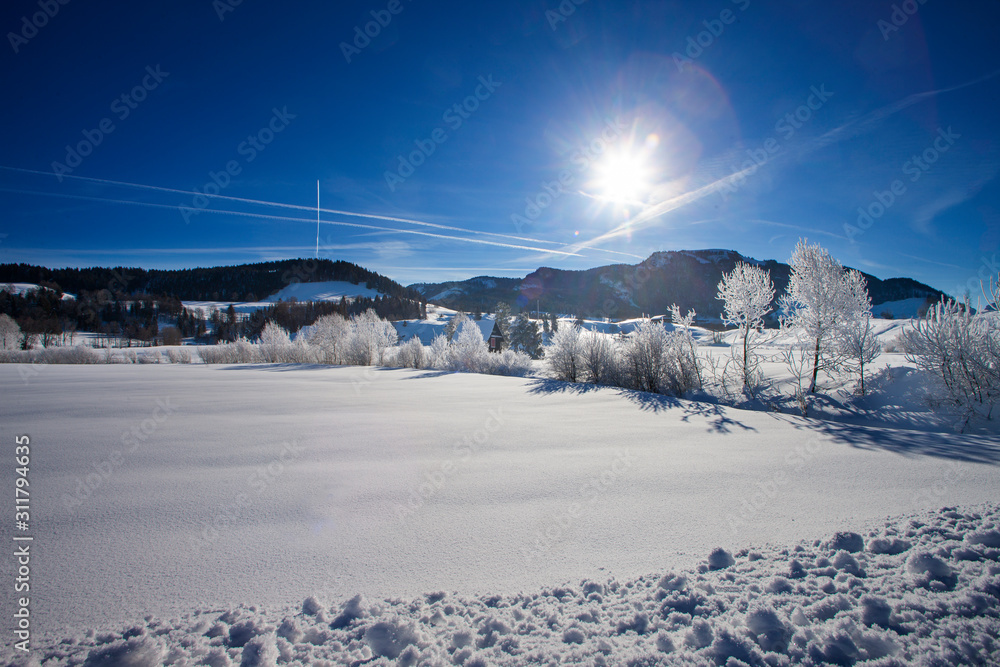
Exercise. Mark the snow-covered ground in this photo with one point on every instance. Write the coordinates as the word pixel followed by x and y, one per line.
pixel 186 510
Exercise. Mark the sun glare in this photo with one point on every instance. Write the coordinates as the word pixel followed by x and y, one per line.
pixel 622 177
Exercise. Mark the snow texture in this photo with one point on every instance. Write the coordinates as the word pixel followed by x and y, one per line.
pixel 884 614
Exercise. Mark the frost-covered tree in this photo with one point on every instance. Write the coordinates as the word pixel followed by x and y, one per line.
pixel 454 325
pixel 564 354
pixel 370 337
pixel 468 349
pixel 331 335
pixel 684 337
pixel 274 341
pixel 525 337
pixel 821 298
pixel 598 358
pixel 439 354
pixel 747 292
pixel 857 342
pixel 10 333
pixel 860 347
pixel 504 318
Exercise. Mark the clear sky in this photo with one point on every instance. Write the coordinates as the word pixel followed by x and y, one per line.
pixel 494 138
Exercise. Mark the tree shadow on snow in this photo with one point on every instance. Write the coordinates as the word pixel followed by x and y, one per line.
pixel 281 367
pixel 428 374
pixel 715 415
pixel 277 367
pixel 911 443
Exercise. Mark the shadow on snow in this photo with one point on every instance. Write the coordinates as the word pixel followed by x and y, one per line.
pixel 715 415
pixel 911 443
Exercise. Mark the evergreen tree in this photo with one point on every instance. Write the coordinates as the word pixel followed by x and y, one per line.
pixel 525 337
pixel 503 319
pixel 454 325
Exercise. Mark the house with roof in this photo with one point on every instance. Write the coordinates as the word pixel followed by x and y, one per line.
pixel 491 334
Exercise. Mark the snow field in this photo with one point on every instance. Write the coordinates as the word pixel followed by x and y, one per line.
pixel 164 489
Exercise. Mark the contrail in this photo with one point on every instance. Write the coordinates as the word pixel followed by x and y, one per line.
pixel 341 223
pixel 655 210
pixel 884 112
pixel 259 202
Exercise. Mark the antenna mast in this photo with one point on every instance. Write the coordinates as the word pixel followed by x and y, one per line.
pixel 317 219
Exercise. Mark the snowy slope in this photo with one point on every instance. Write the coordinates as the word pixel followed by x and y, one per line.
pixel 322 291
pixel 24 288
pixel 165 489
pixel 906 308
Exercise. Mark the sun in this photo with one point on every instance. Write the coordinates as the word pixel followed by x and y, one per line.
pixel 621 177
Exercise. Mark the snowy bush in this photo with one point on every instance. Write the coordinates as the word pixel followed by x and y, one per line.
pixel 240 351
pixel 508 362
pixel 564 354
pixel 643 362
pixel 412 354
pixel 659 361
pixel 897 344
pixel 79 354
pixel 962 351
pixel 652 359
pixel 179 356
pixel 598 358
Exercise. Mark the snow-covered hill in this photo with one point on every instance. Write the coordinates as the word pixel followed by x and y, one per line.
pixel 301 291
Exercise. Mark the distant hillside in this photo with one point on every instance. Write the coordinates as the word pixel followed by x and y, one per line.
pixel 687 278
pixel 245 282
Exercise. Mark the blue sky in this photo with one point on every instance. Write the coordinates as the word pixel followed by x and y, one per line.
pixel 494 138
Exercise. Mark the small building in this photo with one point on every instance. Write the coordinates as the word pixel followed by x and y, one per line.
pixel 491 334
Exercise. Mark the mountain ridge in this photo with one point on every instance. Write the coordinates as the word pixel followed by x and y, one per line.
pixel 688 278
